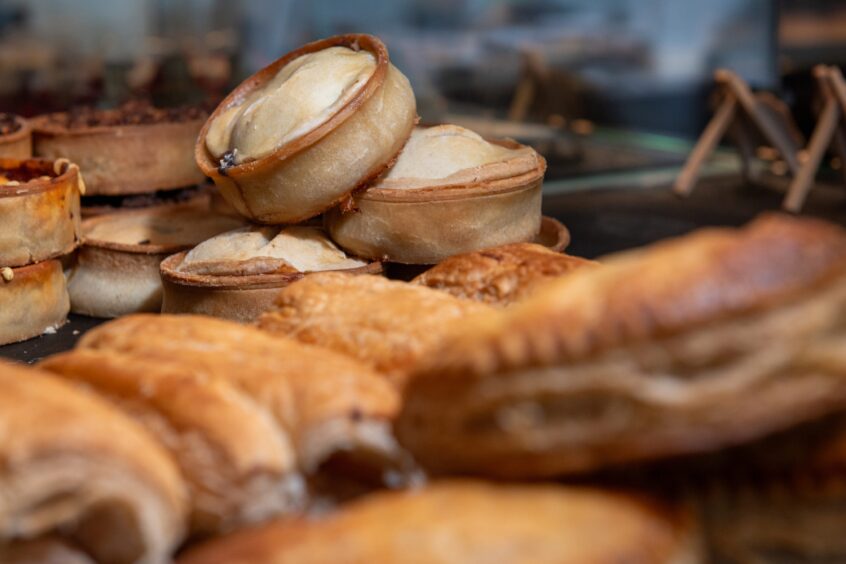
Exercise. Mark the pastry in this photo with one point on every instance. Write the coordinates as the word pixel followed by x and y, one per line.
pixel 450 192
pixel 33 300
pixel 472 522
pixel 236 275
pixel 130 150
pixel 553 235
pixel 387 324
pixel 690 345
pixel 249 417
pixel 499 275
pixel 72 465
pixel 199 196
pixel 39 210
pixel 15 137
pixel 300 135
pixel 117 268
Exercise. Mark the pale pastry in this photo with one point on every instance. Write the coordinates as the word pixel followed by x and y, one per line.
pixel 690 345
pixel 464 522
pixel 388 324
pixel 450 192
pixel 33 300
pixel 74 467
pixel 499 275
pixel 300 135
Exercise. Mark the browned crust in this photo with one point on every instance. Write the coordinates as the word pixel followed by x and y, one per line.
pixel 17 144
pixel 34 300
pixel 45 126
pixel 553 235
pixel 37 168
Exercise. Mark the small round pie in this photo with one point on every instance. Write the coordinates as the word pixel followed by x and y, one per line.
pixel 15 137
pixel 33 300
pixel 117 268
pixel 236 275
pixel 39 210
pixel 300 135
pixel 450 192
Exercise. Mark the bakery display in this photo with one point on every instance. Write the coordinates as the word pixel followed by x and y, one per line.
pixel 689 345
pixel 237 274
pixel 63 474
pixel 33 300
pixel 387 324
pixel 116 271
pixel 500 275
pixel 15 137
pixel 303 133
pixel 128 150
pixel 472 522
pixel 251 419
pixel 488 193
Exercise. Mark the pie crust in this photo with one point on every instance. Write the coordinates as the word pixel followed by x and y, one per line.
pixel 313 172
pixel 33 300
pixel 123 159
pixel 39 217
pixel 113 276
pixel 690 345
pixel 423 221
pixel 17 144
pixel 553 235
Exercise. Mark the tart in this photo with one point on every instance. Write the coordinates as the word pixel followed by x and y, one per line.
pixel 33 300
pixel 15 137
pixel 691 345
pixel 236 275
pixel 499 275
pixel 300 135
pixel 39 210
pixel 389 325
pixel 117 268
pixel 450 192
pixel 473 523
pixel 130 150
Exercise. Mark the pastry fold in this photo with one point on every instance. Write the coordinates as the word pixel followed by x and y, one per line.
pixel 74 466
pixel 712 339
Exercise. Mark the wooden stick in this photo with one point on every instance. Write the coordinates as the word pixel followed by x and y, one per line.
pixel 705 145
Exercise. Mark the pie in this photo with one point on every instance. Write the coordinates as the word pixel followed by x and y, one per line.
pixel 237 274
pixel 690 345
pixel 465 522
pixel 33 300
pixel 300 135
pixel 390 325
pixel 15 137
pixel 450 192
pixel 499 275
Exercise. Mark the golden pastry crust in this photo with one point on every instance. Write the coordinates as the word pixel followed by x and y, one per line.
pixel 17 144
pixel 388 324
pixel 248 416
pixel 499 275
pixel 689 345
pixel 39 211
pixel 33 300
pixel 472 522
pixel 72 465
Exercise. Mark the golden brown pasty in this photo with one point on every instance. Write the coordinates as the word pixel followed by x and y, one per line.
pixel 688 345
pixel 468 523
pixel 388 324
pixel 499 275
pixel 249 417
pixel 72 465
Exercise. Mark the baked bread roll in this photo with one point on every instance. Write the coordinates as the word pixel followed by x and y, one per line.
pixel 300 135
pixel 72 465
pixel 499 275
pixel 33 300
pixel 686 346
pixel 389 325
pixel 450 192
pixel 249 417
pixel 469 523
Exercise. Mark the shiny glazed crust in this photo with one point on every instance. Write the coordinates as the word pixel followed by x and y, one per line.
pixel 427 225
pixel 39 219
pixel 239 298
pixel 63 472
pixel 35 300
pixel 310 174
pixel 689 345
pixel 249 417
pixel 499 275
pixel 18 144
pixel 124 159
pixel 388 324
pixel 472 522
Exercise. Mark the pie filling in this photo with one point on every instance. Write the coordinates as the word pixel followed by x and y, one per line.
pixel 265 250
pixel 304 93
pixel 8 124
